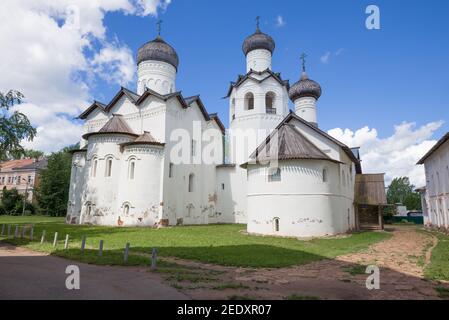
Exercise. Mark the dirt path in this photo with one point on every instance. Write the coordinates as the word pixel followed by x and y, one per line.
pixel 401 260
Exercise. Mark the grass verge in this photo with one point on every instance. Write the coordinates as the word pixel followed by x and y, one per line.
pixel 218 244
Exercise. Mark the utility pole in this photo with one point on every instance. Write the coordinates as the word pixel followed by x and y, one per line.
pixel 25 197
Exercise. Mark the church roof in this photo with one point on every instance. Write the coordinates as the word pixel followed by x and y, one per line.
pixel 435 148
pixel 258 40
pixel 138 99
pixel 287 143
pixel 242 78
pixel 345 148
pixel 116 124
pixel 158 50
pixel 144 138
pixel 305 87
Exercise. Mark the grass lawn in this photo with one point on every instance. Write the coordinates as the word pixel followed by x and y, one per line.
pixel 438 268
pixel 218 244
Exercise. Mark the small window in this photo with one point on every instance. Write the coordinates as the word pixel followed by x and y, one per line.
pixel 126 210
pixel 269 102
pixel 325 177
pixel 108 167
pixel 94 168
pixel 132 168
pixel 222 186
pixel 170 170
pixel 89 209
pixel 276 224
pixel 191 182
pixel 274 175
pixel 249 101
pixel 19 179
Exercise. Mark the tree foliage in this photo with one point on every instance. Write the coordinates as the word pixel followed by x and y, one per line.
pixel 14 126
pixel 53 189
pixel 402 191
pixel 12 203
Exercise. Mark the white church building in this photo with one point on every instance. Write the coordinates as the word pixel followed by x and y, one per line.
pixel 157 158
pixel 435 195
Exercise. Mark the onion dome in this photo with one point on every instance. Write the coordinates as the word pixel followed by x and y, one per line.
pixel 305 87
pixel 258 40
pixel 158 50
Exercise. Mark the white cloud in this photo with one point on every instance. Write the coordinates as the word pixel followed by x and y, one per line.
pixel 280 22
pixel 396 155
pixel 150 7
pixel 48 54
pixel 114 64
pixel 325 57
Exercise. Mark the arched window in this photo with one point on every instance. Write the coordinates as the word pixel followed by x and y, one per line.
pixel 126 209
pixel 276 224
pixel 249 101
pixel 89 209
pixel 94 167
pixel 108 171
pixel 233 109
pixel 132 167
pixel 325 177
pixel 191 182
pixel 269 102
pixel 343 179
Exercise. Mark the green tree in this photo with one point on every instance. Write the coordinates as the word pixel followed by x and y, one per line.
pixel 33 154
pixel 14 126
pixel 11 200
pixel 402 191
pixel 53 189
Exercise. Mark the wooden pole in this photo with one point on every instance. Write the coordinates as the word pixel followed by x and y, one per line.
pixel 66 244
pixel 100 249
pixel 154 259
pixel 83 244
pixel 125 256
pixel 16 232
pixel 55 240
pixel 32 233
pixel 43 237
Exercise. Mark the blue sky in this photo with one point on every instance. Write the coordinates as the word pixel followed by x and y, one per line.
pixel 377 78
pixel 385 90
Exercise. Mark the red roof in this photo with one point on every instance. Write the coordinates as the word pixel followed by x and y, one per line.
pixel 9 165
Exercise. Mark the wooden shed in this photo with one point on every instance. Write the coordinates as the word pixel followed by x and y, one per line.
pixel 370 200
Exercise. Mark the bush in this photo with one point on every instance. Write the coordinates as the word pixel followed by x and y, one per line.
pixel 12 203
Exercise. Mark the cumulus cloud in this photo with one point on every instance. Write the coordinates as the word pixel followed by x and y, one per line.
pixel 280 22
pixel 53 50
pixel 114 64
pixel 397 155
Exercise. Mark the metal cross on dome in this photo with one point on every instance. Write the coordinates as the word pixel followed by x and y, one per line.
pixel 159 23
pixel 257 22
pixel 303 61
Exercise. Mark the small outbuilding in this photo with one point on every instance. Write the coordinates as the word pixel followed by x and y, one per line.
pixel 370 201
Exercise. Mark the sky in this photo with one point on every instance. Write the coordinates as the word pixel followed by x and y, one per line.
pixel 386 90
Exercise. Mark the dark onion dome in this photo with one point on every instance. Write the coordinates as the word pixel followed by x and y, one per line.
pixel 305 87
pixel 158 50
pixel 258 40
